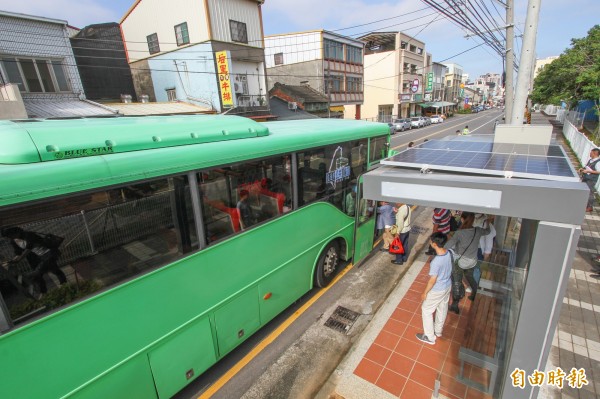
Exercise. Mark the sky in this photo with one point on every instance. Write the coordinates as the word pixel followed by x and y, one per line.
pixel 560 21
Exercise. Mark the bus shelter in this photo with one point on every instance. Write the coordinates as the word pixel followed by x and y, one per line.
pixel 539 205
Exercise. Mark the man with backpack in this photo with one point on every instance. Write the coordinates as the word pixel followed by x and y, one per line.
pixel 42 254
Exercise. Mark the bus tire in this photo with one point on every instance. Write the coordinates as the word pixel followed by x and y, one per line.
pixel 327 265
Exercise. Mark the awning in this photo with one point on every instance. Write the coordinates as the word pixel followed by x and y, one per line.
pixel 435 104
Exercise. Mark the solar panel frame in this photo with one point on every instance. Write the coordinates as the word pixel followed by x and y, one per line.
pixel 483 156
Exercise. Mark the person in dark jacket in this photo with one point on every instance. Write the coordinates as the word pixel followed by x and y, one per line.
pixel 42 259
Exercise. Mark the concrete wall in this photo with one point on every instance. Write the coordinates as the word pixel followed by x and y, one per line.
pixel 190 71
pixel 142 79
pixel 155 16
pixel 295 47
pixel 11 103
pixel 311 71
pixel 380 91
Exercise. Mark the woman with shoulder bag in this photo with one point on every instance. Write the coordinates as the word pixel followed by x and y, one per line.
pixel 464 244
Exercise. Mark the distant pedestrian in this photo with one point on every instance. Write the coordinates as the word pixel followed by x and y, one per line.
pixel 466 131
pixel 458 132
pixel 589 175
pixel 437 291
pixel 411 144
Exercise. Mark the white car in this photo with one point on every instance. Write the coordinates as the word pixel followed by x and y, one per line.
pixel 417 121
pixel 436 119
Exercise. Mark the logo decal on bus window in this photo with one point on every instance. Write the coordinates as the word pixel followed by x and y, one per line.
pixel 84 152
pixel 342 169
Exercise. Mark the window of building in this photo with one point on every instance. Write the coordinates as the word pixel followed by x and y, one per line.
pixel 406 67
pixel 419 50
pixel 235 198
pixel 333 50
pixel 413 68
pixel 403 45
pixel 354 84
pixel 413 48
pixel 238 31
pixel 335 83
pixel 153 46
pixel 35 75
pixel 278 58
pixel 171 95
pixel 354 55
pixel 181 34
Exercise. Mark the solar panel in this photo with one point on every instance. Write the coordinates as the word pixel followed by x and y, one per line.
pixel 480 155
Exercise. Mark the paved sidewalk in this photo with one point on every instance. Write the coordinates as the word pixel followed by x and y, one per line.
pixel 388 361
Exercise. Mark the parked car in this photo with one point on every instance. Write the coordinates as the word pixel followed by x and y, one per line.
pixel 417 121
pixel 436 119
pixel 392 128
pixel 426 120
pixel 487 107
pixel 401 125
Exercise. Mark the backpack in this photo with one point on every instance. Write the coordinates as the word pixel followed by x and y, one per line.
pixel 453 223
pixel 51 241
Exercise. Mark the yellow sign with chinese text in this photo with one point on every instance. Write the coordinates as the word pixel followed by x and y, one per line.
pixel 224 81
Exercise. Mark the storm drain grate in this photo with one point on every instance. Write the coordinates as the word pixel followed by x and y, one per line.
pixel 342 319
pixel 418 229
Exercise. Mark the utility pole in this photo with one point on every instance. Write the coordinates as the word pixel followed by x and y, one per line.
pixel 526 61
pixel 510 60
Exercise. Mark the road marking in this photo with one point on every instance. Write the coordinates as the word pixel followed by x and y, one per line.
pixel 441 131
pixel 270 338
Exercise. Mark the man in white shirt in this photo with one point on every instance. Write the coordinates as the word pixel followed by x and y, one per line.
pixel 589 175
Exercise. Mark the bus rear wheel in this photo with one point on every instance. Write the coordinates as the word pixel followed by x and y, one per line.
pixel 327 265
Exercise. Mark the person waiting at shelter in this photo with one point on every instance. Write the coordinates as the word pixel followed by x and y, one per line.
pixel 441 222
pixel 385 220
pixel 403 215
pixel 40 257
pixel 437 291
pixel 589 175
pixel 465 243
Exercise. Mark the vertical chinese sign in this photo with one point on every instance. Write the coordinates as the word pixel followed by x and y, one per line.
pixel 429 87
pixel 224 81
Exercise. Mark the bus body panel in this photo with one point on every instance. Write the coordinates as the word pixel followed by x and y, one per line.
pixel 181 357
pixel 136 316
pixel 130 380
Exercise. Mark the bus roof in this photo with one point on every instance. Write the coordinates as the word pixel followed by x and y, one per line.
pixel 36 140
pixel 22 181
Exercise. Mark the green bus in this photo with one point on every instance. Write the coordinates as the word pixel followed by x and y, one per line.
pixel 181 236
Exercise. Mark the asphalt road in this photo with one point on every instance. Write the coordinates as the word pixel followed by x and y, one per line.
pixel 480 123
pixel 282 368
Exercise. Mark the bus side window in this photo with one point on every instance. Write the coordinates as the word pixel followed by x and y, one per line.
pixel 267 189
pixel 108 236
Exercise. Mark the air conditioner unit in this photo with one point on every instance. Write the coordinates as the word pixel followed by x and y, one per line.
pixel 238 88
pixel 293 105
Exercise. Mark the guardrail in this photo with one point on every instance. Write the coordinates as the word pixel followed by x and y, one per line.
pixel 580 144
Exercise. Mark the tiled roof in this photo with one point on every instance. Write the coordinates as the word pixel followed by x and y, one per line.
pixel 165 108
pixel 64 108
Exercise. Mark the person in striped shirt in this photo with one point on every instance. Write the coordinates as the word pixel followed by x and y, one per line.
pixel 441 223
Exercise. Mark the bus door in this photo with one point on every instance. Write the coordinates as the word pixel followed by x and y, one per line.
pixel 365 224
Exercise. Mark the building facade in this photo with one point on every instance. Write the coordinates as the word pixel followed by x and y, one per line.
pixel 209 53
pixel 454 85
pixel 540 63
pixel 100 56
pixel 439 81
pixel 36 56
pixel 396 73
pixel 330 63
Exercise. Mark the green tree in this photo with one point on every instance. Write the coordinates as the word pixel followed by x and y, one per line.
pixel 573 76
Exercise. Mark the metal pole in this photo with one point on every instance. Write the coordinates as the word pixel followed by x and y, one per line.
pixel 88 233
pixel 526 61
pixel 510 60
